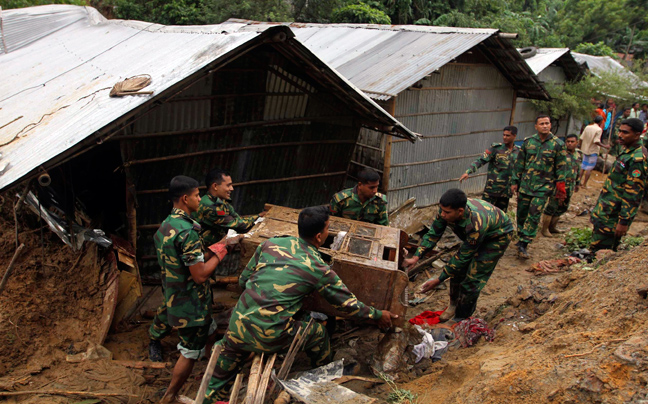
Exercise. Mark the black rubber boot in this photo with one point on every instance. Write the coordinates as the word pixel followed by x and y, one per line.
pixel 522 252
pixel 155 350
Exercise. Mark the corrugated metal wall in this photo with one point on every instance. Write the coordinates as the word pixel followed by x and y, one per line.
pixel 525 113
pixel 460 111
pixel 283 138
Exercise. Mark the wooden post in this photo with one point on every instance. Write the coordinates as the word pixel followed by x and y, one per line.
pixel 131 199
pixel 216 351
pixel 391 108
pixel 513 107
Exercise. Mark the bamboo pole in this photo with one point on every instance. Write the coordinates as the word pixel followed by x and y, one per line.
pixel 236 388
pixel 265 378
pixel 216 351
pixel 253 381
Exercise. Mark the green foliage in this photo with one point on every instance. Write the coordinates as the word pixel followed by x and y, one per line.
pixel 216 11
pixel 597 49
pixel 576 239
pixel 629 242
pixel 398 395
pixel 575 98
pixel 9 4
pixel 360 13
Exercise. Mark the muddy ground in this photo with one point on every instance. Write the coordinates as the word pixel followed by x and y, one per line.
pixel 52 304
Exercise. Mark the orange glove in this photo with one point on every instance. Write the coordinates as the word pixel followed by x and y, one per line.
pixel 219 249
pixel 561 193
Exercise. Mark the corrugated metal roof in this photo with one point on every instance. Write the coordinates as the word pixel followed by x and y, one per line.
pixel 54 92
pixel 544 57
pixel 384 60
pixel 598 64
pixel 562 57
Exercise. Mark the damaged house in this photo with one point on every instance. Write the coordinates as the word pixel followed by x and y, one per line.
pixel 259 104
pixel 457 87
pixel 552 65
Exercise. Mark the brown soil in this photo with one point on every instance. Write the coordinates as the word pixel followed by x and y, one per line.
pixel 52 308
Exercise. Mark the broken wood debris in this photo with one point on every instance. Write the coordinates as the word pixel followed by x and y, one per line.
pixel 236 388
pixel 216 351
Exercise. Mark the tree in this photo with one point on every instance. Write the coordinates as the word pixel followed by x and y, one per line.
pixel 598 49
pixel 360 13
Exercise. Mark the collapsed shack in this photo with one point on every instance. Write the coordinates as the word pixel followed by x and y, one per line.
pixel 259 104
pixel 96 167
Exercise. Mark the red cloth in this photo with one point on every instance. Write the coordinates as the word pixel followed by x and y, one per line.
pixel 427 317
pixel 561 193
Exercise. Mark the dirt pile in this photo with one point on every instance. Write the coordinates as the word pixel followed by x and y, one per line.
pixel 579 339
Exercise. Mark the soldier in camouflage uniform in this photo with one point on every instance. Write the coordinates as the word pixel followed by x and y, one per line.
pixel 215 213
pixel 622 191
pixel 615 147
pixel 486 232
pixel 282 272
pixel 500 158
pixel 539 171
pixel 556 208
pixel 187 295
pixel 362 202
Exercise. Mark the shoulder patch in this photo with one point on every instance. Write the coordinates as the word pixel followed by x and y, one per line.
pixel 636 173
pixel 221 213
pixel 381 197
pixel 495 144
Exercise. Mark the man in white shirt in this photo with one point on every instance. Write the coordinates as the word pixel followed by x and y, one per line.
pixel 590 144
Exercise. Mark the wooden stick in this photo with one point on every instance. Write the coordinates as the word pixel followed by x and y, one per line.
pixel 236 388
pixel 216 351
pixel 143 364
pixel 253 381
pixel 283 398
pixel 347 378
pixel 9 270
pixel 290 356
pixel 593 349
pixel 64 393
pixel 265 379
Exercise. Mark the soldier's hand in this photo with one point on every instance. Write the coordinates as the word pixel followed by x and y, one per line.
pixel 514 189
pixel 620 230
pixel 409 263
pixel 463 178
pixel 429 285
pixel 386 319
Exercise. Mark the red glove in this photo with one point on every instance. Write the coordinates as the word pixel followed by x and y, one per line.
pixel 219 249
pixel 561 193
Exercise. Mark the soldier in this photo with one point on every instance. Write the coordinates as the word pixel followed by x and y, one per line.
pixel 615 147
pixel 362 202
pixel 215 214
pixel 539 170
pixel 282 272
pixel 622 191
pixel 556 208
pixel 187 295
pixel 500 158
pixel 486 231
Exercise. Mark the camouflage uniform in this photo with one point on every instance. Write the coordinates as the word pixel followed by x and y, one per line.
pixel 620 197
pixel 217 216
pixel 572 169
pixel 486 232
pixel 539 166
pixel 347 204
pixel 187 304
pixel 282 272
pixel 500 162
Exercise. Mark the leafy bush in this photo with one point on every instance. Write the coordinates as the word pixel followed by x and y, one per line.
pixel 576 239
pixel 595 49
pixel 629 242
pixel 360 13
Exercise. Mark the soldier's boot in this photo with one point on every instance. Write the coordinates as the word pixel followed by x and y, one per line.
pixel 522 252
pixel 552 226
pixel 449 312
pixel 546 222
pixel 155 350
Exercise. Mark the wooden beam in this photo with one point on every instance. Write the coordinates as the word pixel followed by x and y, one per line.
pixel 391 108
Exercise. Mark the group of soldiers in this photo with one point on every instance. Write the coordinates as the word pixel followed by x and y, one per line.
pixel 191 244
pixel 543 173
